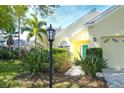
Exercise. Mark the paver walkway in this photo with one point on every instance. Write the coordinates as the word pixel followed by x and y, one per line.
pixel 114 77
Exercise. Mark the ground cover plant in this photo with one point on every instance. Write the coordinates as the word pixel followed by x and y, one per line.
pixel 12 75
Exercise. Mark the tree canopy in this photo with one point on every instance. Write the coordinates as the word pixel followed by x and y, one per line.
pixel 6 20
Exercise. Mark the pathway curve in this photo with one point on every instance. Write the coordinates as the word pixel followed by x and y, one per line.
pixel 114 77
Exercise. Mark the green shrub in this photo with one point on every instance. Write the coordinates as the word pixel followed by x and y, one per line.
pixel 59 50
pixel 23 52
pixel 91 64
pixel 61 61
pixel 95 52
pixel 36 60
pixel 7 54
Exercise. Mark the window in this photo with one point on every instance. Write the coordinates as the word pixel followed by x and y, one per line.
pixel 64 44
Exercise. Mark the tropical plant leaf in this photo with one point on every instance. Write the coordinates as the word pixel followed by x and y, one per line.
pixel 43 31
pixel 41 23
pixel 36 28
pixel 26 29
pixel 29 36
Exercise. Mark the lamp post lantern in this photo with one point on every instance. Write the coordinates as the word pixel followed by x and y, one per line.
pixel 51 38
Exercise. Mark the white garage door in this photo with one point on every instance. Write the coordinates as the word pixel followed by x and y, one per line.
pixel 113 51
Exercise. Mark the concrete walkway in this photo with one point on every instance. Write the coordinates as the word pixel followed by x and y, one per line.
pixel 75 71
pixel 114 77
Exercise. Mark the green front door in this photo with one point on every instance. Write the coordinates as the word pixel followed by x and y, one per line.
pixel 84 49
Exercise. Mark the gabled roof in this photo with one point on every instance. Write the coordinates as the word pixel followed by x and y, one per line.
pixel 102 15
pixel 80 19
pixel 94 9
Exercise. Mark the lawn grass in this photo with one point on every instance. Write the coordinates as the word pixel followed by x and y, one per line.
pixel 8 70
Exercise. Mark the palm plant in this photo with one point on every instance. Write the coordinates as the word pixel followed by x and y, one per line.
pixel 91 64
pixel 35 28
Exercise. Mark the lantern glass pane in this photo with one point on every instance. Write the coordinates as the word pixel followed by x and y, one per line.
pixel 51 35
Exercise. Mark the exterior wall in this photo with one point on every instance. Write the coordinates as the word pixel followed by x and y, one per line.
pixel 113 51
pixel 75 41
pixel 77 47
pixel 78 39
pixel 111 25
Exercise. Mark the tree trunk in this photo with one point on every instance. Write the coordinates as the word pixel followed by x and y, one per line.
pixel 35 47
pixel 35 41
pixel 19 37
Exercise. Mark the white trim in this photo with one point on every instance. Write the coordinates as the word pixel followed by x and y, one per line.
pixel 76 32
pixel 112 36
pixel 103 15
pixel 91 11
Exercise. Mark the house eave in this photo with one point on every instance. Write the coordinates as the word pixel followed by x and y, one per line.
pixel 102 15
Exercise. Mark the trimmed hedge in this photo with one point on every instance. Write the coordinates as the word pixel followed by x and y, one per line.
pixel 61 61
pixel 95 52
pixel 59 50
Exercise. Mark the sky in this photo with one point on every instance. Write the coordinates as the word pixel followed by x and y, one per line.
pixel 67 14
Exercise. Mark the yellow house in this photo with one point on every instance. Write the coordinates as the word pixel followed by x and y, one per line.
pixel 75 36
pixel 97 29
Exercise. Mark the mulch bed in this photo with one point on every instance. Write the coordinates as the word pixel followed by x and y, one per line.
pixel 59 81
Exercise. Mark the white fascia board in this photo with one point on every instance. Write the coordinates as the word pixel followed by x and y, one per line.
pixel 112 36
pixel 103 15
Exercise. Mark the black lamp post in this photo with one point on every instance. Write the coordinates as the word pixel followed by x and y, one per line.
pixel 51 38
